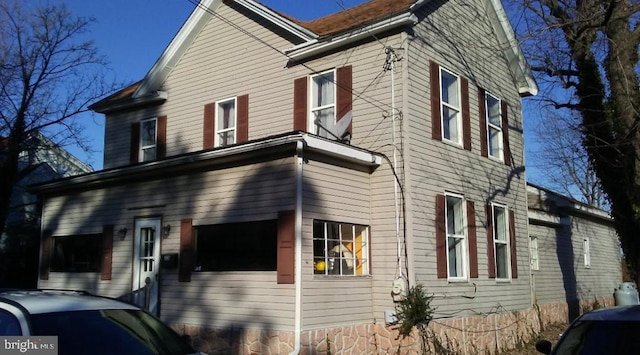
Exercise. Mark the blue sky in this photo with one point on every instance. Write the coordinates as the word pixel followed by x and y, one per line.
pixel 132 34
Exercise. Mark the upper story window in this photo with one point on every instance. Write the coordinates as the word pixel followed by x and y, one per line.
pixel 148 140
pixel 226 122
pixel 340 249
pixel 456 237
pixel 494 126
pixel 323 103
pixel 450 100
pixel 501 241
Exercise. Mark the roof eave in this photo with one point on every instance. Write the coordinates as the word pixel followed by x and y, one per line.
pixel 316 47
pixel 151 98
pixel 278 20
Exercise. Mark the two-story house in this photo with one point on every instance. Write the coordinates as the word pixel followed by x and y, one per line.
pixel 277 184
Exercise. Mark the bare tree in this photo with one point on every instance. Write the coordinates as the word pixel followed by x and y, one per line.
pixel 586 55
pixel 49 74
pixel 562 158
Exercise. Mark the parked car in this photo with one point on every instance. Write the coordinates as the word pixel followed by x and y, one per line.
pixel 87 324
pixel 613 330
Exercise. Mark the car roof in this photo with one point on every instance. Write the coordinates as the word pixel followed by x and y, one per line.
pixel 620 313
pixel 49 301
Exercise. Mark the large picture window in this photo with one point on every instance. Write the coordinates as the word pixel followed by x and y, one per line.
pixel 340 249
pixel 78 253
pixel 450 99
pixel 494 127
pixel 456 237
pixel 501 241
pixel 247 246
pixel 323 99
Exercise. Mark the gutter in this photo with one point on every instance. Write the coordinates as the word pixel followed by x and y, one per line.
pixel 152 98
pixel 315 47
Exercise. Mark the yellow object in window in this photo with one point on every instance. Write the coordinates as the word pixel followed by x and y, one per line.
pixel 320 266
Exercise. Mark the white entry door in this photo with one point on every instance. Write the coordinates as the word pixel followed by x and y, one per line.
pixel 146 264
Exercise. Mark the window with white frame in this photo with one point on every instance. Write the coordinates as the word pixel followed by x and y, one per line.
pixel 340 249
pixel 450 98
pixel 456 237
pixel 501 241
pixel 533 252
pixel 494 126
pixel 587 252
pixel 225 122
pixel 148 139
pixel 323 103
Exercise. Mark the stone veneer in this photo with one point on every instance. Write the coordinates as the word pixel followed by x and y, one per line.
pixel 486 334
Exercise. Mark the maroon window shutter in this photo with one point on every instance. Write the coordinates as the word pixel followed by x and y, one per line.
pixel 490 252
pixel 441 238
pixel 135 142
pixel 300 104
pixel 436 118
pixel 45 260
pixel 482 108
pixel 505 133
pixel 186 250
pixel 242 134
pixel 473 240
pixel 161 143
pixel 208 126
pixel 512 244
pixel 344 79
pixel 466 115
pixel 286 245
pixel 107 252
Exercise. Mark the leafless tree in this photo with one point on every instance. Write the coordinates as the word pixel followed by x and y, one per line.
pixel 49 73
pixel 585 53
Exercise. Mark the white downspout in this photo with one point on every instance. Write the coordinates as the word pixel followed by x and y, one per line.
pixel 298 252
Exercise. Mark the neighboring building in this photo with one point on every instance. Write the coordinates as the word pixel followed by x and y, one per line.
pixel 278 184
pixel 43 161
pixel 575 254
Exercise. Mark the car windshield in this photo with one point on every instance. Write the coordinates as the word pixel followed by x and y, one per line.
pixel 600 337
pixel 112 331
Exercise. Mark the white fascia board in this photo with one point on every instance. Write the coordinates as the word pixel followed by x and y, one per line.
pixel 527 85
pixel 278 20
pixel 544 217
pixel 315 47
pixel 178 46
pixel 341 151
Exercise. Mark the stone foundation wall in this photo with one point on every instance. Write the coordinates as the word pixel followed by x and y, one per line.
pixel 484 334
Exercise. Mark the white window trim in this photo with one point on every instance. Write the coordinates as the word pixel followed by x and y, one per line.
pixel 457 142
pixel 490 126
pixel 465 258
pixel 366 257
pixel 311 124
pixel 142 148
pixel 586 246
pixel 506 242
pixel 216 134
pixel 534 254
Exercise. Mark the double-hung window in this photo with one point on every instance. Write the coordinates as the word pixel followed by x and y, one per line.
pixel 323 103
pixel 340 249
pixel 494 127
pixel 148 140
pixel 456 237
pixel 226 122
pixel 501 241
pixel 533 252
pixel 586 251
pixel 450 100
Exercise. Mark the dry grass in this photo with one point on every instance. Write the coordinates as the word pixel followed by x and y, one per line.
pixel 551 332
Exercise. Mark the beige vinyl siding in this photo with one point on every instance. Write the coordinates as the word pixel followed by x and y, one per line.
pixel 334 194
pixel 245 193
pixel 460 39
pixel 562 276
